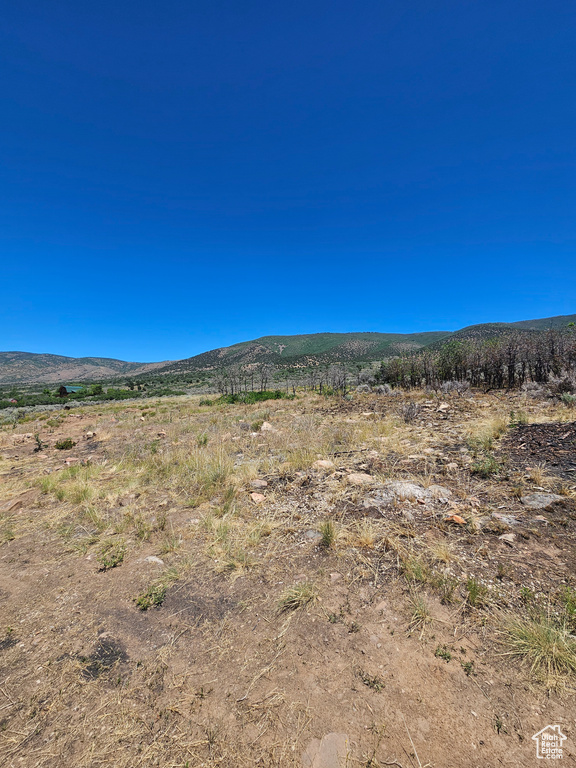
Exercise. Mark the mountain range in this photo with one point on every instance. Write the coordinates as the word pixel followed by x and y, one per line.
pixel 284 351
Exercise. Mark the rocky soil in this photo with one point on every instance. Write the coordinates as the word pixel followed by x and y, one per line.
pixel 315 583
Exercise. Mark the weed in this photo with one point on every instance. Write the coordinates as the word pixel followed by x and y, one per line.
pixel 111 555
pixel 372 681
pixel 328 531
pixel 544 643
pixel 152 597
pixel 518 418
pixel 421 615
pixel 297 597
pixel 499 726
pixel 202 439
pixel 442 652
pixel 413 568
pixel 485 466
pixel 476 593
pixel 468 667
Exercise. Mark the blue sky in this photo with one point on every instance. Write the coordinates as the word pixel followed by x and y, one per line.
pixel 179 176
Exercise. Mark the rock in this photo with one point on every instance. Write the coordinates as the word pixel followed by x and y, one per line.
pixel 452 467
pixel 438 492
pixel 90 435
pixel 267 427
pixel 71 460
pixel 162 433
pixel 443 407
pixel 539 500
pixel 312 535
pixel 404 491
pixel 153 559
pixel 455 519
pixel 323 464
pixel 257 498
pixel 335 576
pixel 329 752
pixel 508 538
pixel 257 483
pixel 506 519
pixel 360 478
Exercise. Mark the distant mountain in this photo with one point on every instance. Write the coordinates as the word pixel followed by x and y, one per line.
pixel 282 351
pixel 31 368
pixel 309 349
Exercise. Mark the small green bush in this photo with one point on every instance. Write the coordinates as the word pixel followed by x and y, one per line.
pixel 152 597
pixel 66 444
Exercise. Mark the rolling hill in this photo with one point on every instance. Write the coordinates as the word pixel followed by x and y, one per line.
pixel 297 351
pixel 31 368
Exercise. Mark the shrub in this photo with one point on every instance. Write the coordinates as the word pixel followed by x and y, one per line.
pixel 250 398
pixel 66 444
pixel 152 597
pixel 409 412
pixel 485 466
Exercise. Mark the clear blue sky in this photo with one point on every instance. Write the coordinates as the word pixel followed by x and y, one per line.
pixel 177 176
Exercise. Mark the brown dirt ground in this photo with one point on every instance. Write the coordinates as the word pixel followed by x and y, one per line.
pixel 217 675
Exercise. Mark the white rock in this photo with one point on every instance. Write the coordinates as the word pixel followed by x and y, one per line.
pixel 539 500
pixel 360 478
pixel 323 464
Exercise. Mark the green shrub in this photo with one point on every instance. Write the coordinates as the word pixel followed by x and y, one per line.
pixel 66 444
pixel 152 597
pixel 486 466
pixel 253 397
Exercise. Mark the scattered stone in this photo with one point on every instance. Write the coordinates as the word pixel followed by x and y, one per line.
pixel 154 559
pixel 405 491
pixel 257 483
pixel 323 464
pixel 257 498
pixel 329 752
pixel 506 519
pixel 539 500
pixel 335 576
pixel 508 538
pixel 455 519
pixel 438 492
pixel 360 478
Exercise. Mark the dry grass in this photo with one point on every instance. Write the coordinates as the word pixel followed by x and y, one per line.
pixel 546 645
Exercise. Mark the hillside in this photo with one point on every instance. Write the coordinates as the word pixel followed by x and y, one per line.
pixel 298 351
pixel 20 367
pixel 309 349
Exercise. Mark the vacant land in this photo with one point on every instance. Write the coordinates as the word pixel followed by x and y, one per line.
pixel 307 583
